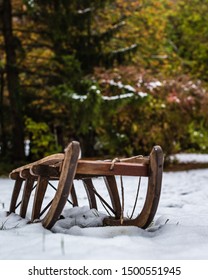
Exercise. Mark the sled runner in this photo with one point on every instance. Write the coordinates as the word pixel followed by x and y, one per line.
pixel 32 181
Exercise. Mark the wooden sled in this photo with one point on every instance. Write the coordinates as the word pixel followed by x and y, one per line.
pixel 66 168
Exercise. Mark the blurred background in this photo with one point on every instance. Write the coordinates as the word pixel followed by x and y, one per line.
pixel 117 76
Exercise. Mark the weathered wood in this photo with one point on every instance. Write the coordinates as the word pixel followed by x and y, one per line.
pixel 49 160
pixel 90 192
pixel 74 196
pixel 41 187
pixel 26 195
pixel 112 188
pixel 66 167
pixel 52 172
pixel 154 188
pixel 103 168
pixel 16 192
pixel 65 184
pixel 147 214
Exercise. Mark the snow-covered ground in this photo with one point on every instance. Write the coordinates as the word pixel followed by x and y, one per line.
pixel 187 158
pixel 179 231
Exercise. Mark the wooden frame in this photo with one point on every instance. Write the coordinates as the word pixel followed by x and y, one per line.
pixel 67 167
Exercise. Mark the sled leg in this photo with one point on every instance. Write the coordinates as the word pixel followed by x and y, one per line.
pixel 74 196
pixel 42 184
pixel 29 182
pixel 154 189
pixel 112 188
pixel 15 194
pixel 90 192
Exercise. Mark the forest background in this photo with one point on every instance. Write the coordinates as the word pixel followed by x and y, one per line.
pixel 119 76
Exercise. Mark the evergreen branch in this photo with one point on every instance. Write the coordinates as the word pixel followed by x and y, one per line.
pixel 108 33
pixel 133 47
pixel 84 11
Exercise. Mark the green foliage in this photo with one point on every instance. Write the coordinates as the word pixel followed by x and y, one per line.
pixel 198 134
pixel 42 140
pixel 79 28
pixel 72 84
pixel 162 116
pixel 67 71
pixel 188 29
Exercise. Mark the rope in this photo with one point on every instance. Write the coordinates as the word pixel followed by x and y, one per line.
pixel 113 163
pixel 122 187
pixel 126 160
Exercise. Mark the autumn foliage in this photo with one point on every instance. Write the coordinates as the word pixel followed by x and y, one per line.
pixel 118 76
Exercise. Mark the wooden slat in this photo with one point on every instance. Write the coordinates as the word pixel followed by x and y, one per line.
pixel 128 167
pixel 49 160
pixel 45 171
pixel 25 173
pixel 14 175
pixel 102 168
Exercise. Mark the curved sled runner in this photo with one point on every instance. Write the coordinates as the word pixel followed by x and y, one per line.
pixel 66 168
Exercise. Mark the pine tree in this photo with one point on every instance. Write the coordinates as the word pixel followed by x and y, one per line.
pixel 13 85
pixel 82 29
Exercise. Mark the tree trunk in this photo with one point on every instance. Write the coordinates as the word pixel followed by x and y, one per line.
pixel 2 124
pixel 13 82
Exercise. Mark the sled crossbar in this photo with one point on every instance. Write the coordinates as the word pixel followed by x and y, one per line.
pixel 84 167
pixel 102 168
pixel 66 168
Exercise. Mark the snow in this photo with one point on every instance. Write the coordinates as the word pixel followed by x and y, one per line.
pixel 179 230
pixel 187 158
pixel 131 91
pixel 154 84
